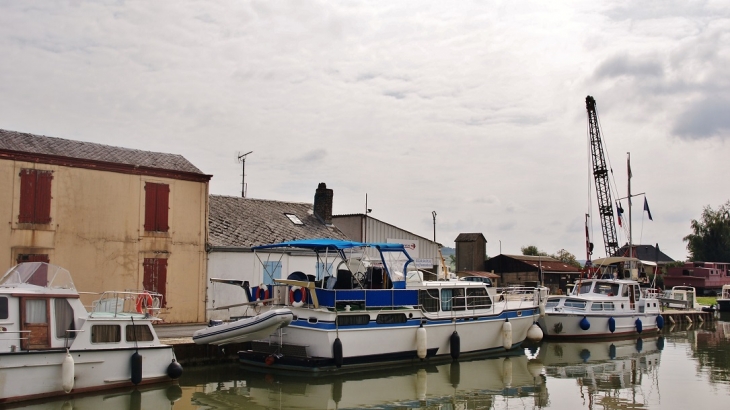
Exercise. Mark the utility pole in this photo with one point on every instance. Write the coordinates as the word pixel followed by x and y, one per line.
pixel 434 225
pixel 242 160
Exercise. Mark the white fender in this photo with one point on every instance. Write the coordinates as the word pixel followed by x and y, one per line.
pixel 421 342
pixel 421 384
pixel 507 372
pixel 67 373
pixel 534 333
pixel 542 309
pixel 507 335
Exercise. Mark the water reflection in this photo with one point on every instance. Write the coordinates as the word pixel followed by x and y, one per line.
pixel 651 372
pixel 465 384
pixel 613 374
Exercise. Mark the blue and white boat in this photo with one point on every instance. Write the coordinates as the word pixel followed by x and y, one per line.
pixel 374 308
pixel 604 305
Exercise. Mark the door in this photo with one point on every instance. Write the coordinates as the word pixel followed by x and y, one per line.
pixel 34 316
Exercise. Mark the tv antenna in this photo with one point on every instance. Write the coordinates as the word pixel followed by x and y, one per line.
pixel 242 159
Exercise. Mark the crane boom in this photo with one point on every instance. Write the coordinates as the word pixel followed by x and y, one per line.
pixel 600 175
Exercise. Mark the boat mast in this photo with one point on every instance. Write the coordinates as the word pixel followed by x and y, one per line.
pixel 628 168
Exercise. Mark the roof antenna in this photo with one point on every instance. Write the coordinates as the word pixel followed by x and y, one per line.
pixel 242 159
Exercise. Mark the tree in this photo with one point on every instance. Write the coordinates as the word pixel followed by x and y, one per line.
pixel 532 250
pixel 567 258
pixel 710 237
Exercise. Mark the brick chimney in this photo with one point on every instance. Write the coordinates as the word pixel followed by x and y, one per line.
pixel 323 203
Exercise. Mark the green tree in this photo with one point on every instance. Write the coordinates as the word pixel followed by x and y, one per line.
pixel 532 250
pixel 567 258
pixel 710 237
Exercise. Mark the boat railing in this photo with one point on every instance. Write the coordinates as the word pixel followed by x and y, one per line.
pixel 127 303
pixel 521 294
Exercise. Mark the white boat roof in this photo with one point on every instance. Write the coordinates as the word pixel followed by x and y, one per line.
pixel 37 275
pixel 617 259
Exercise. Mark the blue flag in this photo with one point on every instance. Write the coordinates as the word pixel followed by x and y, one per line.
pixel 646 208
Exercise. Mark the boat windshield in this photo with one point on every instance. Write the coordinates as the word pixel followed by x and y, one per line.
pixel 39 274
pixel 609 289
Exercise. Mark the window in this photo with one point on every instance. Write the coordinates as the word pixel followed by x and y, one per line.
pixel 294 219
pixel 459 299
pixel 351 320
pixel 272 270
pixel 573 303
pixel 429 300
pixel 35 196
pixel 4 308
pixel 155 277
pixel 391 318
pixel 140 333
pixel 156 206
pixel 478 299
pixel 106 334
pixel 324 270
pixel 64 319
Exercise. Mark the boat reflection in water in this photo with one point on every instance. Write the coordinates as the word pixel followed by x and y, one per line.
pixel 607 372
pixel 158 397
pixel 467 384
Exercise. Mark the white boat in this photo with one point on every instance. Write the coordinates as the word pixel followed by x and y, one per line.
pixel 723 301
pixel 680 297
pixel 366 313
pixel 603 306
pixel 51 345
pixel 245 329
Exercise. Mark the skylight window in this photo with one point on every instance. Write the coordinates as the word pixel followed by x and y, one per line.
pixel 295 220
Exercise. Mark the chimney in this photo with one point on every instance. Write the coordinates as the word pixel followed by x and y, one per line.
pixel 323 203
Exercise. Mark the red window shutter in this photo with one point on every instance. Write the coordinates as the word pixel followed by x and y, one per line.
pixel 43 197
pixel 163 206
pixel 27 195
pixel 155 277
pixel 150 206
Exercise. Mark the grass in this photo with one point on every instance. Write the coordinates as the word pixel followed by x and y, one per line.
pixel 706 300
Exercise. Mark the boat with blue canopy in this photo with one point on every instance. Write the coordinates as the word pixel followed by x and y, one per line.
pixel 370 306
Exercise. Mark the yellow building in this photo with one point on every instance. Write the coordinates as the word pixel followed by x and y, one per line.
pixel 116 218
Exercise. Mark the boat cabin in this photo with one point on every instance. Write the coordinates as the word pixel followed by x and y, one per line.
pixel 40 309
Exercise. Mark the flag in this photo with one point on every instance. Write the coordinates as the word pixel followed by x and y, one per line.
pixel 620 212
pixel 646 208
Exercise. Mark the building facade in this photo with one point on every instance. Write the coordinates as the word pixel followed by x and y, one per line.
pixel 116 218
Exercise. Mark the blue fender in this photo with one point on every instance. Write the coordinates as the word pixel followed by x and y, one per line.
pixel 584 323
pixel 639 327
pixel 611 324
pixel 660 322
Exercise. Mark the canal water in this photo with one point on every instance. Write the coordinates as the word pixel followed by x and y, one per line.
pixel 684 367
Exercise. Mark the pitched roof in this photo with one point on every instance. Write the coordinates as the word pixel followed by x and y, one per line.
pixel 246 222
pixel 546 263
pixel 645 253
pixel 52 148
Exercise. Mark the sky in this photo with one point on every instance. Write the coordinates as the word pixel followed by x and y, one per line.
pixel 472 109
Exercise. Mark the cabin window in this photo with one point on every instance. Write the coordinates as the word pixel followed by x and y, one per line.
pixel 352 320
pixel 609 289
pixel 106 334
pixel 391 318
pixel 459 299
pixel 155 277
pixel 585 288
pixel 602 306
pixel 574 303
pixel 64 319
pixel 140 333
pixel 35 311
pixel 156 207
pixel 447 296
pixel 4 308
pixel 478 299
pixel 551 303
pixel 35 196
pixel 429 300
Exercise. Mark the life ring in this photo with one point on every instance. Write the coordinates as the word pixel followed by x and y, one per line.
pixel 144 300
pixel 262 293
pixel 291 296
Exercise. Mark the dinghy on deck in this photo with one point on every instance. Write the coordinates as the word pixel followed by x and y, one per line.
pixel 243 330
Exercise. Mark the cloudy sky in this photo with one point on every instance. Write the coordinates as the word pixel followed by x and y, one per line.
pixel 473 109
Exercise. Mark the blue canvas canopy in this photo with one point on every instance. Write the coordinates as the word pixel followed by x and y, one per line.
pixel 314 244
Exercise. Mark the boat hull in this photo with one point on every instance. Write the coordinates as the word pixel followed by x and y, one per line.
pixel 723 305
pixel 28 375
pixel 568 325
pixel 307 344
